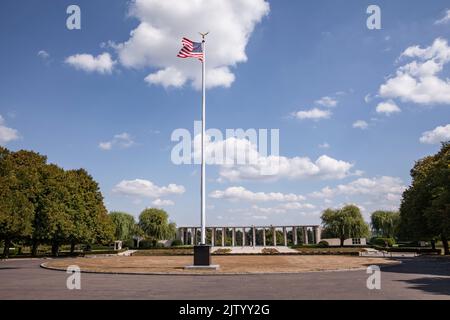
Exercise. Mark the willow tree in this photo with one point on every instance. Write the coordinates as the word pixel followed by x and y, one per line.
pixel 344 223
pixel 155 224
pixel 385 223
pixel 124 225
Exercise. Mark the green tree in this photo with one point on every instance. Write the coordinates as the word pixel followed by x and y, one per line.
pixel 19 183
pixel 385 223
pixel 155 224
pixel 124 225
pixel 96 225
pixel 344 223
pixel 424 211
pixel 53 223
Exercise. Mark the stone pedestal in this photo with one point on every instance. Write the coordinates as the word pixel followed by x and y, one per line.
pixel 202 255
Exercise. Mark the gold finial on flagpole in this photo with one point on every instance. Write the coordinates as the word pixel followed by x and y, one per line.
pixel 204 35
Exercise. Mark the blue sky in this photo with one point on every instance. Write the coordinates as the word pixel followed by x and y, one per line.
pixel 272 64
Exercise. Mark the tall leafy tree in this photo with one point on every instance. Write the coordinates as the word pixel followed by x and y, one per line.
pixel 95 224
pixel 124 225
pixel 385 223
pixel 19 185
pixel 344 223
pixel 424 211
pixel 155 224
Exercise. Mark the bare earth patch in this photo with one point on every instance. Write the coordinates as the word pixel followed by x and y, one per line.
pixel 228 264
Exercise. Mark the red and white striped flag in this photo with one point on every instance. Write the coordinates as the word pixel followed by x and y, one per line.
pixel 191 49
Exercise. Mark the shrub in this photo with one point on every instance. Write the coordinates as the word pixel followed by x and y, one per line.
pixel 269 251
pixel 222 251
pixel 323 244
pixel 381 242
pixel 146 244
pixel 128 244
pixel 176 243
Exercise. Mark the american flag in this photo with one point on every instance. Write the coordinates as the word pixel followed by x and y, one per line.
pixel 191 49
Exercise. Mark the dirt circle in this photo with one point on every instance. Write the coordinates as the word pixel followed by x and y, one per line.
pixel 174 265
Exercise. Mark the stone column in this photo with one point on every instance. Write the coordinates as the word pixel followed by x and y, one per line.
pixel 274 236
pixel 285 236
pixel 305 235
pixel 233 237
pixel 294 235
pixel 213 236
pixel 182 235
pixel 264 237
pixel 192 237
pixel 317 236
pixel 223 237
pixel 254 236
pixel 243 237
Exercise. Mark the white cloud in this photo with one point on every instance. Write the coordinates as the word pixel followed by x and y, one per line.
pixel 7 134
pixel 162 203
pixel 43 54
pixel 146 189
pixel 123 140
pixel 383 188
pixel 102 63
pixel 280 209
pixel 324 145
pixel 169 77
pixel 436 136
pixel 314 114
pixel 275 167
pixel 418 80
pixel 240 193
pixel 388 107
pixel 327 102
pixel 360 124
pixel 157 39
pixel 324 167
pixel 445 19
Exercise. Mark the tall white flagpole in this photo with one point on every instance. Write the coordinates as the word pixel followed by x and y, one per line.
pixel 203 173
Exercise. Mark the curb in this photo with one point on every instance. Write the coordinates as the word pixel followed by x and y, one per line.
pixel 44 266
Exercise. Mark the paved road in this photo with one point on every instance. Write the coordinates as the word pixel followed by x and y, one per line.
pixel 415 278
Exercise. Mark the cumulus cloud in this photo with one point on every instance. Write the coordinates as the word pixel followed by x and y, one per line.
pixel 156 40
pixel 7 134
pixel 327 102
pixel 388 107
pixel 123 140
pixel 436 136
pixel 169 77
pixel 324 145
pixel 313 114
pixel 43 54
pixel 418 81
pixel 162 203
pixel 385 188
pixel 240 193
pixel 146 189
pixel 280 209
pixel 324 167
pixel 360 124
pixel 239 159
pixel 445 19
pixel 103 63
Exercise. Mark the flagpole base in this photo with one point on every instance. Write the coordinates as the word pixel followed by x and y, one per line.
pixel 202 255
pixel 202 259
